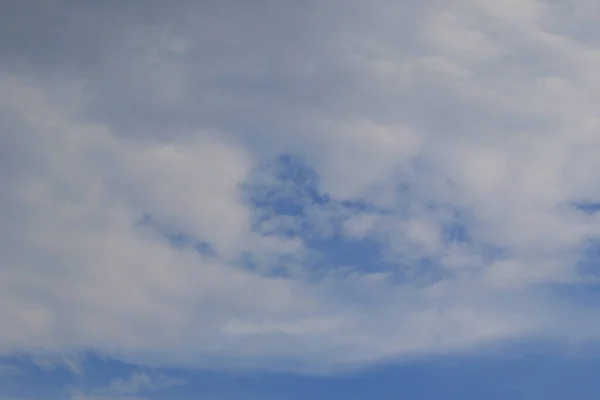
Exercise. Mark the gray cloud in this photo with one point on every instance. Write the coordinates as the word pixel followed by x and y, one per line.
pixel 115 110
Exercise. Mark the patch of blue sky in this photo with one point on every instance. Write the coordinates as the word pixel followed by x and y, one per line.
pixel 589 263
pixel 457 230
pixel 517 371
pixel 583 294
pixel 178 239
pixel 36 380
pixel 587 207
pixel 291 205
pixel 184 240
pixel 52 378
pixel 281 266
pixel 288 187
pixel 587 290
pixel 287 202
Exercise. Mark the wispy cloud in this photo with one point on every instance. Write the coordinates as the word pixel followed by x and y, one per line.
pixel 49 362
pixel 129 389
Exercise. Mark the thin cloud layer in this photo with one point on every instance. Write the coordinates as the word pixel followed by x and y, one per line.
pixel 129 389
pixel 286 186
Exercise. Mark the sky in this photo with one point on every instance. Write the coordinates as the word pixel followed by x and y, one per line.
pixel 283 200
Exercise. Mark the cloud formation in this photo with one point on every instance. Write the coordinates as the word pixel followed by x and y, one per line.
pixel 129 389
pixel 438 180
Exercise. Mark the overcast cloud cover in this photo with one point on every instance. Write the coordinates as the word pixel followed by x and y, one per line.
pixel 311 185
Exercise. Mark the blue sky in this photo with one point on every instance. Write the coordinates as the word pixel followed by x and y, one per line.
pixel 275 199
pixel 523 373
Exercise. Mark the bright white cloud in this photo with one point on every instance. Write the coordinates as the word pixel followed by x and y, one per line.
pixel 469 116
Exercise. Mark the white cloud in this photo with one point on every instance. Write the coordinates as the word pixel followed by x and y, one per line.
pixel 128 389
pixel 51 361
pixel 142 382
pixel 474 114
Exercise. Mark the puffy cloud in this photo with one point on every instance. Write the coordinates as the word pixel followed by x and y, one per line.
pixel 458 141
